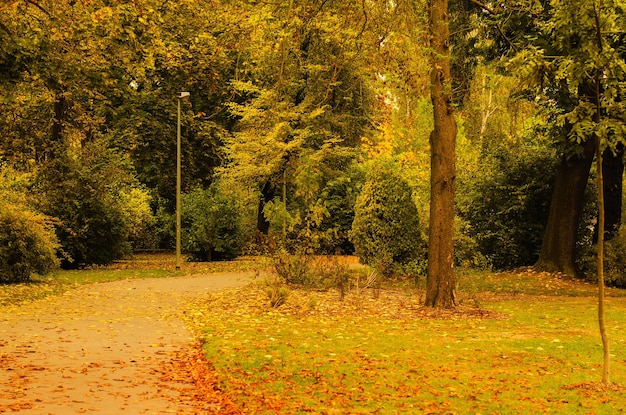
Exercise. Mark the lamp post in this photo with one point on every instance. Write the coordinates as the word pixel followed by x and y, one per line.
pixel 178 186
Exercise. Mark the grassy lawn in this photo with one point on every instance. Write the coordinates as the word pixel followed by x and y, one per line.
pixel 520 343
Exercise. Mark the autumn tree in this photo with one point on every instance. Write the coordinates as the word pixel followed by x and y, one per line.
pixel 162 49
pixel 86 72
pixel 580 68
pixel 302 103
pixel 542 56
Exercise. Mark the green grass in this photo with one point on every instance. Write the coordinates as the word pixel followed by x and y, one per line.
pixel 525 350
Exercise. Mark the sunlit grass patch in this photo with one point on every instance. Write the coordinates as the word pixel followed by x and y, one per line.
pixel 36 289
pixel 387 355
pixel 526 282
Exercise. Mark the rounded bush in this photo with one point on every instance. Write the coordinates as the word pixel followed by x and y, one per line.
pixel 211 223
pixel 85 192
pixel 386 230
pixel 91 229
pixel 28 245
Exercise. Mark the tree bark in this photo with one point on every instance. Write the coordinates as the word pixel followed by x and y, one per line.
pixel 441 282
pixel 61 107
pixel 267 193
pixel 600 261
pixel 613 173
pixel 558 251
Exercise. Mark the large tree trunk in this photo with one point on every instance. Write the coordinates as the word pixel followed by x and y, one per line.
pixel 558 251
pixel 441 283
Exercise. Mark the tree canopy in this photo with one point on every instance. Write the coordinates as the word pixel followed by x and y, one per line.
pixel 292 101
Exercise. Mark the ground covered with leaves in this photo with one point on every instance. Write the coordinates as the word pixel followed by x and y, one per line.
pixel 520 342
pixel 110 339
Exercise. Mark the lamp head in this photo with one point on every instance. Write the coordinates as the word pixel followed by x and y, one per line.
pixel 183 95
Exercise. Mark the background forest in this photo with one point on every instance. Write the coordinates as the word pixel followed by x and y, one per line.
pixel 308 124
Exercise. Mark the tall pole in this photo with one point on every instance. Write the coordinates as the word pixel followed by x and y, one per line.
pixel 178 189
pixel 178 181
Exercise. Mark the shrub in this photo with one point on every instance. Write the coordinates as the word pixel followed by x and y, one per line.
pixel 466 251
pixel 386 229
pixel 27 245
pixel 292 268
pixel 91 231
pixel 138 217
pixel 614 260
pixel 99 202
pixel 277 294
pixel 505 210
pixel 338 198
pixel 91 227
pixel 211 222
pixel 327 272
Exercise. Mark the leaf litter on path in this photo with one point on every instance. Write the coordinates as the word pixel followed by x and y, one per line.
pixel 110 347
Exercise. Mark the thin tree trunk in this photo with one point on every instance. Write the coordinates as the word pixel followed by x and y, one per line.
pixel 267 194
pixel 606 367
pixel 601 323
pixel 441 282
pixel 613 176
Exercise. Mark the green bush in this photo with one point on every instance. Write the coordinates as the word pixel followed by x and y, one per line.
pixel 614 260
pixel 27 245
pixel 386 229
pixel 91 231
pixel 138 217
pixel 506 208
pixel 466 251
pixel 211 224
pixel 83 192
pixel 339 197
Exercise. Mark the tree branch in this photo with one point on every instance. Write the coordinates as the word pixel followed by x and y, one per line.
pixel 484 7
pixel 38 6
pixel 494 12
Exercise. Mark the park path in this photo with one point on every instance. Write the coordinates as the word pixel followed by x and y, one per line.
pixel 104 348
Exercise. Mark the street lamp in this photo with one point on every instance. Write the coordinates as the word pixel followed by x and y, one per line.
pixel 180 97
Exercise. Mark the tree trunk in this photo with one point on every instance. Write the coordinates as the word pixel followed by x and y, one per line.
pixel 613 173
pixel 57 144
pixel 558 251
pixel 267 194
pixel 601 224
pixel 441 283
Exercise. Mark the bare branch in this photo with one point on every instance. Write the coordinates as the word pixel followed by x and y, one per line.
pixel 484 7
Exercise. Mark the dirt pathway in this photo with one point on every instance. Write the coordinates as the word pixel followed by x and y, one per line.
pixel 103 348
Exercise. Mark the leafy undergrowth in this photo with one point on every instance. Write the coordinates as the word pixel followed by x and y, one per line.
pixel 515 350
